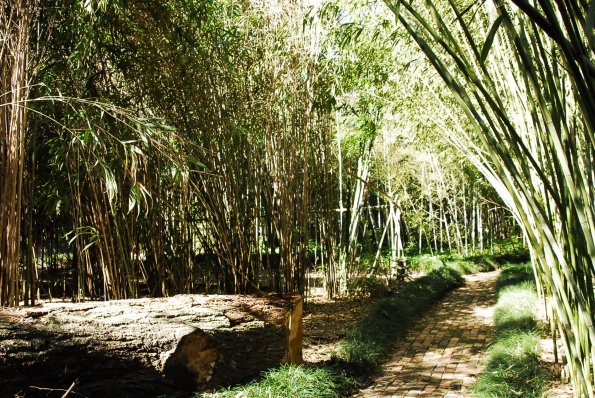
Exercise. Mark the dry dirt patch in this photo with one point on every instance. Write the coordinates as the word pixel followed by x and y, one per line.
pixel 327 322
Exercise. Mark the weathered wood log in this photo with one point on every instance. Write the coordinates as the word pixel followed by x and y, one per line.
pixel 182 343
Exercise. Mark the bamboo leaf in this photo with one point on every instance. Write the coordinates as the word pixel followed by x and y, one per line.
pixel 111 186
pixel 88 246
pixel 133 198
pixel 396 9
pixel 193 161
pixel 490 39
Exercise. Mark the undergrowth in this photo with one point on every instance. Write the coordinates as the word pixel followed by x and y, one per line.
pixel 513 368
pixel 462 264
pixel 290 381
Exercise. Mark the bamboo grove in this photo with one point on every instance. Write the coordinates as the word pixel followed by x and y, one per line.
pixel 14 53
pixel 150 148
pixel 157 149
pixel 117 202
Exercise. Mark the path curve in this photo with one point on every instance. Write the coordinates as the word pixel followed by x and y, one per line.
pixel 442 353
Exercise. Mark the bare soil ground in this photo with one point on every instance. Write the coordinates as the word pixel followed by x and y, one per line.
pixel 557 388
pixel 326 323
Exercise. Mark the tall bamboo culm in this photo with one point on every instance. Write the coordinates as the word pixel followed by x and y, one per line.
pixel 15 21
pixel 524 79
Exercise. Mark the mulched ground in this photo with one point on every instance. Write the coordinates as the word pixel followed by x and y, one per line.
pixel 556 388
pixel 326 323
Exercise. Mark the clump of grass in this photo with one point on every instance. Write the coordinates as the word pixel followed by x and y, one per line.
pixel 470 264
pixel 462 264
pixel 513 368
pixel 463 267
pixel 514 274
pixel 426 262
pixel 367 344
pixel 289 381
pixel 516 309
pixel 483 262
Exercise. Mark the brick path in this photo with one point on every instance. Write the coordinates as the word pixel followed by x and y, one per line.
pixel 442 353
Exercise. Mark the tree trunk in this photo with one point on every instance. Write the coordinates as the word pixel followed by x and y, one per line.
pixel 135 347
pixel 473 223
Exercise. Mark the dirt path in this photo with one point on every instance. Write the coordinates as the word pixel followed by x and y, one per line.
pixel 441 355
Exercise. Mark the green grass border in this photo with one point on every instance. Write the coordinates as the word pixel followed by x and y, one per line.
pixel 291 381
pixel 513 369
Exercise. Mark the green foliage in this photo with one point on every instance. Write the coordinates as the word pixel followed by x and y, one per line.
pixel 426 262
pixel 289 381
pixel 462 267
pixel 517 305
pixel 374 338
pixel 513 368
pixel 514 274
pixel 462 264
pixel 514 256
pixel 512 250
pixel 368 286
pixel 470 264
pixel 168 128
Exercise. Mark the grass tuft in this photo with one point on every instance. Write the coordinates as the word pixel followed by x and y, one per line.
pixel 514 370
pixel 289 381
pixel 426 263
pixel 464 265
pixel 470 264
pixel 515 312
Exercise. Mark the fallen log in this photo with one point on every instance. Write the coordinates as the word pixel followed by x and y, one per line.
pixel 146 347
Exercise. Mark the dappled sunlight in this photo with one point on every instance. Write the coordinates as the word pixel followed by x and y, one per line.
pixel 484 314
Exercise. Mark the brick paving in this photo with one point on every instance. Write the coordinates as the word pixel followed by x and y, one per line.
pixel 442 354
